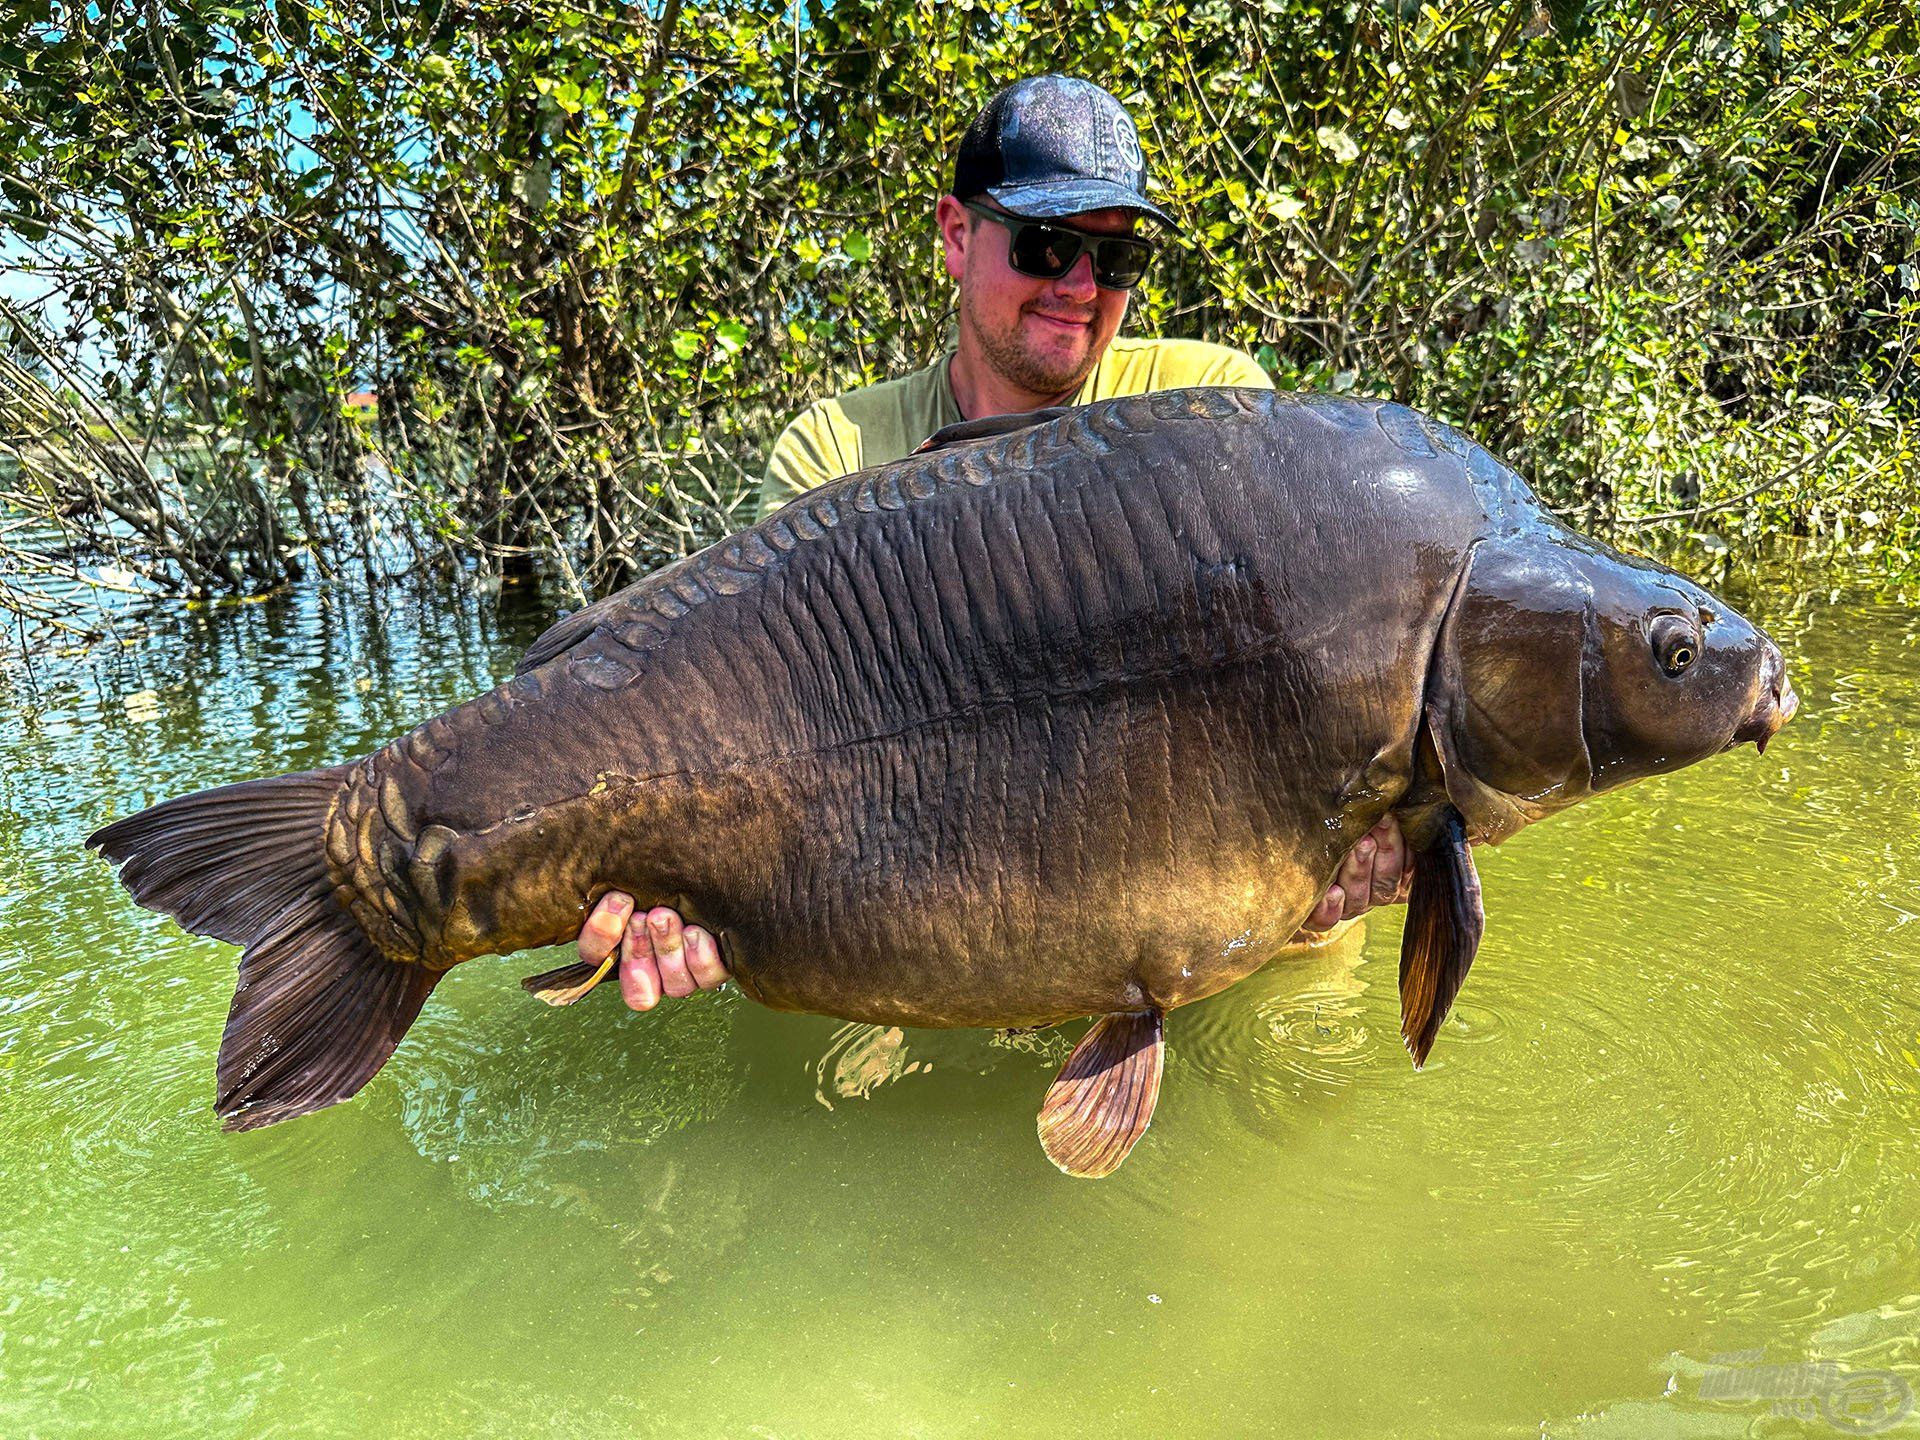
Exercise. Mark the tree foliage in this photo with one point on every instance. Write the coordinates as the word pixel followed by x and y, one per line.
pixel 591 255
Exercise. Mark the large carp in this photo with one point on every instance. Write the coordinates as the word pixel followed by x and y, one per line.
pixel 1071 714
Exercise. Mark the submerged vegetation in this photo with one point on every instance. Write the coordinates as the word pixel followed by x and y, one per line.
pixel 579 260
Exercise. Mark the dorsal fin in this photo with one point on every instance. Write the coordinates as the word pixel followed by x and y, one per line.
pixel 567 632
pixel 988 426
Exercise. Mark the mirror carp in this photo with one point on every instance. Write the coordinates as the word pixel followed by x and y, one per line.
pixel 1069 714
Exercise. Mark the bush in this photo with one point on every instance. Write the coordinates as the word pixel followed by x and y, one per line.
pixel 1660 257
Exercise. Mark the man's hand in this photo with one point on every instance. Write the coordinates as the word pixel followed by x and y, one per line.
pixel 658 954
pixel 1377 871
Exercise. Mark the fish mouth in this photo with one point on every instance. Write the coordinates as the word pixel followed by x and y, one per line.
pixel 1776 706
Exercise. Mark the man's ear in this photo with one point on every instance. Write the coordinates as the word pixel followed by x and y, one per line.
pixel 956 230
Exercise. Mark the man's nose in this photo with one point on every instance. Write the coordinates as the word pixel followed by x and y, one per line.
pixel 1077 283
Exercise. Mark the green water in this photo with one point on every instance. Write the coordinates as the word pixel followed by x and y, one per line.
pixel 1669 1136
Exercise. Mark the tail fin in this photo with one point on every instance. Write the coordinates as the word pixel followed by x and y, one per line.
pixel 318 1009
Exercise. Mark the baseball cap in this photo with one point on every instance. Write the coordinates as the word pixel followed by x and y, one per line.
pixel 1051 146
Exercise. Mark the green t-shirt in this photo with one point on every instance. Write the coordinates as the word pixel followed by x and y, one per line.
pixel 878 423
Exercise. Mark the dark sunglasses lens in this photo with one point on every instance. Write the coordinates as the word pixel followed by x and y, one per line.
pixel 1047 252
pixel 1043 252
pixel 1118 265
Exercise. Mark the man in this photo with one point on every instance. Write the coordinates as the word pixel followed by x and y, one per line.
pixel 1039 236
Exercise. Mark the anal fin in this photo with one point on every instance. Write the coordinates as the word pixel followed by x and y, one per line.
pixel 1444 923
pixel 570 982
pixel 1103 1099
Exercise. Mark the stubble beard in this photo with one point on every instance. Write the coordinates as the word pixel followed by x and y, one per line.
pixel 1015 363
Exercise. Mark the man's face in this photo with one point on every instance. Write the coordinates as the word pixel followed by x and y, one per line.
pixel 1043 335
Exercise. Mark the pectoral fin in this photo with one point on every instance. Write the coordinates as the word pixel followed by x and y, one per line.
pixel 1103 1099
pixel 1444 925
pixel 570 982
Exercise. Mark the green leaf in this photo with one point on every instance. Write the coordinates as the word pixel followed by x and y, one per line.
pixel 1337 143
pixel 1286 207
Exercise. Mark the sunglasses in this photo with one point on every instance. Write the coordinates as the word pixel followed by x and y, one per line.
pixel 1043 250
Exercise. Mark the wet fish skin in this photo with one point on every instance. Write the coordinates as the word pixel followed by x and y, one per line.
pixel 973 753
pixel 1076 719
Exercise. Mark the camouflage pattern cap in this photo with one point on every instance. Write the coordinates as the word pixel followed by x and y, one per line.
pixel 1052 146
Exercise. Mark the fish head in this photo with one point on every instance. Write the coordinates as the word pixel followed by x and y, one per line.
pixel 1565 669
pixel 1678 673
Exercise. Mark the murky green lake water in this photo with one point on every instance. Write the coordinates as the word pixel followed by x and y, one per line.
pixel 1668 1140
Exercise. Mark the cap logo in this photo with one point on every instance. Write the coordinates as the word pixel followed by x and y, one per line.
pixel 1128 141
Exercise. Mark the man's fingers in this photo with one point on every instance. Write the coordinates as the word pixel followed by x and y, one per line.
pixel 669 949
pixel 605 926
pixel 1377 871
pixel 639 975
pixel 658 955
pixel 1356 878
pixel 1326 914
pixel 1389 861
pixel 703 959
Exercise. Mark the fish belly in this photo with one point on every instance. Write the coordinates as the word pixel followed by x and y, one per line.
pixel 1041 863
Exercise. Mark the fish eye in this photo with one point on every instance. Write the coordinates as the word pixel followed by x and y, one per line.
pixel 1674 646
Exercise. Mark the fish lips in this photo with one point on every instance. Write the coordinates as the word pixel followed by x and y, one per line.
pixel 1777 704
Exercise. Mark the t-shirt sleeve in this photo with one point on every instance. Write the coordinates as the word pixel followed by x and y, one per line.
pixel 1236 367
pixel 807 454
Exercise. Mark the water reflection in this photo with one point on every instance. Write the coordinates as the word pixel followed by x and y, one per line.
pixel 517 1098
pixel 860 1060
